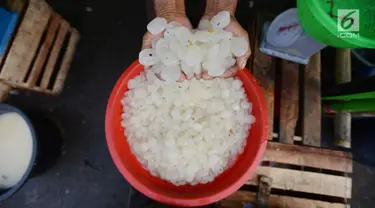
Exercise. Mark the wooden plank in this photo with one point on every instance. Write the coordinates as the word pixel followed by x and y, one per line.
pixel 239 198
pixel 264 73
pixel 26 42
pixel 1 58
pixel 16 5
pixel 342 129
pixel 309 156
pixel 311 122
pixel 67 60
pixel 295 138
pixel 289 101
pixel 43 52
pixel 264 191
pixel 342 121
pixel 253 40
pixel 52 59
pixel 343 66
pixel 303 181
pixel 4 91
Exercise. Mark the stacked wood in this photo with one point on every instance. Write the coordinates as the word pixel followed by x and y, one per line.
pixel 296 171
pixel 40 53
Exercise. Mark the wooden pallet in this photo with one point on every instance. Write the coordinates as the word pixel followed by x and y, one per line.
pixel 39 55
pixel 300 176
pixel 292 175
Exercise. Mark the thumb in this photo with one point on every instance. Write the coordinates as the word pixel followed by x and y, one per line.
pixel 147 39
pixel 239 31
pixel 242 61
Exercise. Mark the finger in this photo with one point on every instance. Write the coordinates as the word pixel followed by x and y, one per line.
pixel 231 72
pixel 205 76
pixel 182 78
pixel 238 31
pixel 188 76
pixel 184 21
pixel 242 61
pixel 198 76
pixel 147 39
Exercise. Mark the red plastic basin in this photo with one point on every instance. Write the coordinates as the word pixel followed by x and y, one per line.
pixel 225 184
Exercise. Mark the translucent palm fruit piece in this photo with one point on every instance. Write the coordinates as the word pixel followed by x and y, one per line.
pixel 224 48
pixel 211 65
pixel 184 35
pixel 188 70
pixel 205 48
pixel 229 61
pixel 150 76
pixel 154 41
pixel 170 32
pixel 203 36
pixel 194 55
pixel 162 47
pixel 169 58
pixel 170 73
pixel 220 35
pixel 175 45
pixel 216 72
pixel 213 52
pixel 157 25
pixel 157 67
pixel 214 68
pixel 148 57
pixel 238 46
pixel 198 69
pixel 204 25
pixel 182 52
pixel 220 20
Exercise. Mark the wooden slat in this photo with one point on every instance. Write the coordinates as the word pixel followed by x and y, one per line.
pixel 2 58
pixel 289 101
pixel 303 181
pixel 342 129
pixel 343 66
pixel 309 156
pixel 16 5
pixel 4 91
pixel 67 60
pixel 43 52
pixel 264 191
pixel 253 40
pixel 63 30
pixel 239 198
pixel 26 42
pixel 264 73
pixel 342 122
pixel 295 138
pixel 311 104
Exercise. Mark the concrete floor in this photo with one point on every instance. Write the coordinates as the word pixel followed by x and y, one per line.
pixel 112 34
pixel 85 175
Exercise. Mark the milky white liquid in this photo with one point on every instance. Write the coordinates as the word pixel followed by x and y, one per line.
pixel 15 149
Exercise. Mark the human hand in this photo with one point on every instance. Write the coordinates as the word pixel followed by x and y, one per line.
pixel 171 10
pixel 212 9
pixel 180 18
